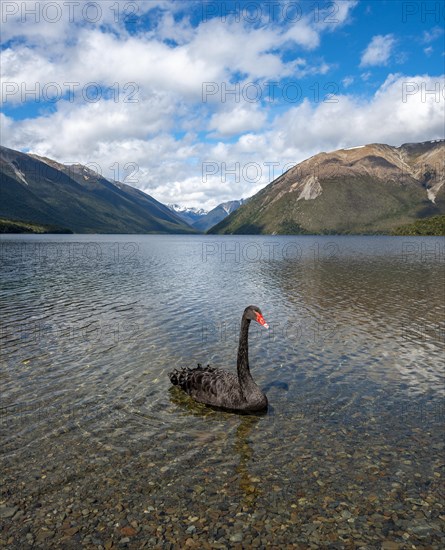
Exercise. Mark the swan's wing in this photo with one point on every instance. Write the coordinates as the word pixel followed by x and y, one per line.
pixel 208 385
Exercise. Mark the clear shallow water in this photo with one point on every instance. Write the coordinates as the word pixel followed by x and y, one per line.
pixel 350 453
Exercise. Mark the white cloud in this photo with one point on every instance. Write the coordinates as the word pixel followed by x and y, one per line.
pixel 107 59
pixel 378 51
pixel 56 22
pixel 238 119
pixel 72 49
pixel 432 35
pixel 303 34
pixel 215 52
pixel 385 118
pixel 331 15
pixel 235 47
pixel 328 17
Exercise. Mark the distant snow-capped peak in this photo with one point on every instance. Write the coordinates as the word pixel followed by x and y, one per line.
pixel 187 209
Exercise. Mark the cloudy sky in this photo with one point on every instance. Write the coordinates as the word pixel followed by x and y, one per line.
pixel 198 102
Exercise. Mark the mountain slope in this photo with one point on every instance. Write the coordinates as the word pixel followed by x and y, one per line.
pixel 217 214
pixel 201 220
pixel 189 215
pixel 367 189
pixel 43 191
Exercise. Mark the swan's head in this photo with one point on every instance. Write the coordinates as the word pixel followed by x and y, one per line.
pixel 254 314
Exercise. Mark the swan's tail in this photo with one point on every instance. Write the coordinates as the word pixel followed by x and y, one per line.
pixel 174 377
pixel 183 377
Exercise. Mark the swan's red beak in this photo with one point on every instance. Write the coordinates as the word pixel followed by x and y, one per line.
pixel 261 320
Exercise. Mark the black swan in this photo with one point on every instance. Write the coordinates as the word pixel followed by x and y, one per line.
pixel 221 388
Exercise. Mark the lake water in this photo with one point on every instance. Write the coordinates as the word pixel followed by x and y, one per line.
pixel 99 450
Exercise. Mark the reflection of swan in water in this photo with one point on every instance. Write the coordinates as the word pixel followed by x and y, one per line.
pixel 248 484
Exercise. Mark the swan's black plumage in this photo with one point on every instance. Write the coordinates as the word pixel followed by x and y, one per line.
pixel 221 388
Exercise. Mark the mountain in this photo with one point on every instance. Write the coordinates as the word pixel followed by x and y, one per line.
pixel 189 215
pixel 72 197
pixel 200 219
pixel 373 188
pixel 219 213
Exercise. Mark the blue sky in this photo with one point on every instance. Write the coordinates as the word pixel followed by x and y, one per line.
pixel 181 90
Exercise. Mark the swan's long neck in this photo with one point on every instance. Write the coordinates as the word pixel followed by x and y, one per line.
pixel 244 376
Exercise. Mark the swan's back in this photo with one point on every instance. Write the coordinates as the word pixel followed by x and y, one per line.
pixel 216 387
pixel 208 385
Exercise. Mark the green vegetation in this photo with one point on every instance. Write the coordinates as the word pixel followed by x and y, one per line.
pixel 15 226
pixel 434 226
pixel 347 206
pixel 289 227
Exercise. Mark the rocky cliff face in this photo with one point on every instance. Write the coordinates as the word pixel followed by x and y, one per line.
pixel 370 188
